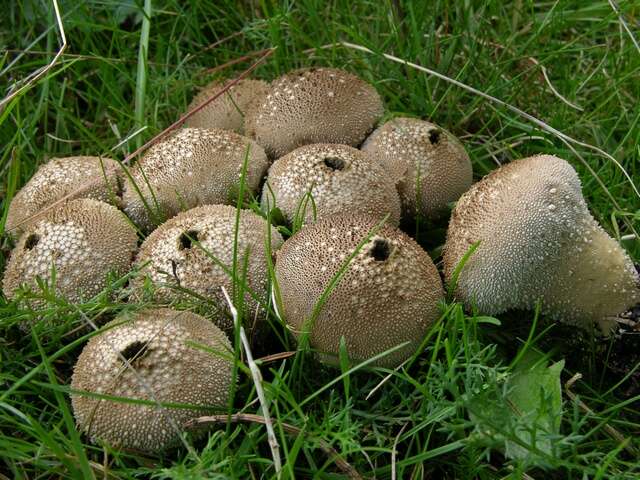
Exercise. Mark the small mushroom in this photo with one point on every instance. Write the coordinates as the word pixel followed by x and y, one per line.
pixel 388 294
pixel 315 105
pixel 83 177
pixel 194 167
pixel 227 111
pixel 193 254
pixel 153 355
pixel 82 241
pixel 430 165
pixel 538 241
pixel 338 177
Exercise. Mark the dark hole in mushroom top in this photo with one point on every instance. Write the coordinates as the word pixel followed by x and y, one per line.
pixel 187 239
pixel 31 241
pixel 434 136
pixel 380 250
pixel 334 163
pixel 134 351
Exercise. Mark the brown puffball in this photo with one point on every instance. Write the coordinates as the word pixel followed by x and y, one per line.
pixel 165 365
pixel 431 166
pixel 79 177
pixel 193 167
pixel 182 256
pixel 538 241
pixel 388 294
pixel 315 105
pixel 227 111
pixel 83 240
pixel 338 177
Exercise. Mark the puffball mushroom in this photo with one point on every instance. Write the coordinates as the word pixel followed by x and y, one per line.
pixel 314 105
pixel 338 177
pixel 388 294
pixel 538 241
pixel 430 165
pixel 227 111
pixel 194 167
pixel 83 241
pixel 186 255
pixel 79 177
pixel 165 363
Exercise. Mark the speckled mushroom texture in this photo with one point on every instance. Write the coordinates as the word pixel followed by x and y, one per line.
pixel 194 167
pixel 227 111
pixel 430 165
pixel 187 251
pixel 388 294
pixel 84 240
pixel 316 105
pixel 538 241
pixel 79 177
pixel 165 365
pixel 338 177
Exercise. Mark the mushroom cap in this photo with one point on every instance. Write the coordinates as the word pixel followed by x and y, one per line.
pixel 165 365
pixel 340 179
pixel 83 177
pixel 537 241
pixel 170 259
pixel 84 240
pixel 388 294
pixel 227 111
pixel 430 164
pixel 315 105
pixel 194 167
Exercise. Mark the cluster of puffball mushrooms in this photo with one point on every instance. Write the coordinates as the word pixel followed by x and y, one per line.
pixel 348 182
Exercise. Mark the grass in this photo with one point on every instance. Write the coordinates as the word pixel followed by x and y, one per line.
pixel 126 75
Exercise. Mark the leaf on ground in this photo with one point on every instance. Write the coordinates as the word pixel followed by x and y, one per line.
pixel 523 419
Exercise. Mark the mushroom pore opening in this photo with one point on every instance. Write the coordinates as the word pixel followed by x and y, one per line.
pixel 380 250
pixel 134 351
pixel 334 163
pixel 31 241
pixel 434 136
pixel 187 239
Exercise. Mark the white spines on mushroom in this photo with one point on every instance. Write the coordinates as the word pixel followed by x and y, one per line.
pixel 538 241
pixel 429 164
pixel 387 297
pixel 178 362
pixel 314 105
pixel 319 180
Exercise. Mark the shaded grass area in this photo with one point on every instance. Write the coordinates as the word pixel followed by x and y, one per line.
pixel 117 86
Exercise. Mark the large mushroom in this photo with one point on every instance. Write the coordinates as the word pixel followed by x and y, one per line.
pixel 314 105
pixel 430 165
pixel 79 244
pixel 193 253
pixel 162 356
pixel 194 167
pixel 227 111
pixel 338 178
pixel 538 241
pixel 70 177
pixel 387 296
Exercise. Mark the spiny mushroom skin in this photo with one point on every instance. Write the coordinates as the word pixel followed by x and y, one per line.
pixel 316 105
pixel 340 179
pixel 538 240
pixel 430 165
pixel 84 240
pixel 82 177
pixel 388 294
pixel 194 167
pixel 165 366
pixel 183 252
pixel 227 111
